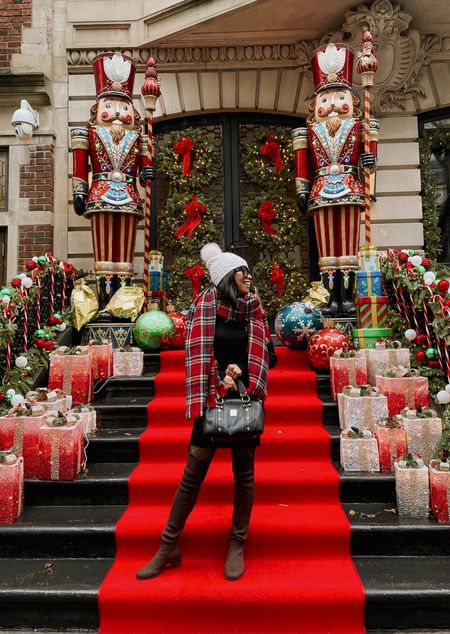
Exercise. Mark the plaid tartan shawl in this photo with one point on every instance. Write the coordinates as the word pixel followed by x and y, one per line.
pixel 202 376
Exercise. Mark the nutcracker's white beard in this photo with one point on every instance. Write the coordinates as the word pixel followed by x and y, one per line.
pixel 333 124
pixel 117 132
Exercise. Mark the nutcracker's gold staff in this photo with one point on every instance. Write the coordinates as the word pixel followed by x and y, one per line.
pixel 150 92
pixel 366 66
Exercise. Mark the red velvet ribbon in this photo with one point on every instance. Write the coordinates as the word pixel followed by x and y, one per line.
pixel 193 210
pixel 195 274
pixel 267 214
pixel 277 277
pixel 183 147
pixel 271 149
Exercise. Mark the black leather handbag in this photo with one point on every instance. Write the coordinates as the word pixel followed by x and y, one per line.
pixel 241 417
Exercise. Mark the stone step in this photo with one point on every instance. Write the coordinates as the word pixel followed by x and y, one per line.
pixel 122 412
pixel 88 531
pixel 401 592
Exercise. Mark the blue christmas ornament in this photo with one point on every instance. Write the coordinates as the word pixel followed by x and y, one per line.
pixel 296 322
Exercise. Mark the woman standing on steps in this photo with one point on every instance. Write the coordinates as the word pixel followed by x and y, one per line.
pixel 226 339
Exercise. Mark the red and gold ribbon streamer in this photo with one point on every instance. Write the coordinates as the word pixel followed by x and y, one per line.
pixel 272 150
pixel 267 214
pixel 195 273
pixel 277 277
pixel 193 210
pixel 183 147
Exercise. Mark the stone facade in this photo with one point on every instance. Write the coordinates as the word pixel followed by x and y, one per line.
pixel 209 63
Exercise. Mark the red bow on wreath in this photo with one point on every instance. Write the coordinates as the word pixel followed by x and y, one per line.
pixel 195 274
pixel 277 277
pixel 183 147
pixel 267 214
pixel 271 149
pixel 193 210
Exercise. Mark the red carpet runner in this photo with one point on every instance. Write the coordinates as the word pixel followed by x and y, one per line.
pixel 299 576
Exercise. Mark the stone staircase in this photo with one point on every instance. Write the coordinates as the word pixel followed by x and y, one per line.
pixel 52 561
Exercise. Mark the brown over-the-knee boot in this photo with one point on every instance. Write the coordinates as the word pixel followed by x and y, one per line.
pixel 244 489
pixel 168 554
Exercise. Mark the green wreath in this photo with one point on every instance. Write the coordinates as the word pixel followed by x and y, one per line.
pixel 433 144
pixel 204 161
pixel 287 223
pixel 295 284
pixel 180 286
pixel 174 216
pixel 260 168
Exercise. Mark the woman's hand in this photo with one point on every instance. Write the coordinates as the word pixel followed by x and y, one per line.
pixel 234 371
pixel 229 384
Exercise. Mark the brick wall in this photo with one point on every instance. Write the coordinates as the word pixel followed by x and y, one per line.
pixel 37 184
pixel 14 15
pixel 34 240
pixel 37 178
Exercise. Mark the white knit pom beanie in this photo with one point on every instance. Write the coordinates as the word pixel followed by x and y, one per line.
pixel 220 263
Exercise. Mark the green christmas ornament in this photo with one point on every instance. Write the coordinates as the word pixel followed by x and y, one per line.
pixel 42 259
pixel 422 269
pixel 8 397
pixel 5 291
pixel 39 333
pixel 46 336
pixel 432 353
pixel 57 315
pixel 153 329
pixel 411 252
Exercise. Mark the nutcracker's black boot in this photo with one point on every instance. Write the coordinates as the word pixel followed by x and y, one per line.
pixel 244 492
pixel 168 554
pixel 347 283
pixel 330 279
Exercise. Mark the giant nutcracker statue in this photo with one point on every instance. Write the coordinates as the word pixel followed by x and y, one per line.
pixel 329 161
pixel 118 154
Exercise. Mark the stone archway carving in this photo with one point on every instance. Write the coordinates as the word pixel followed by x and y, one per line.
pixel 403 53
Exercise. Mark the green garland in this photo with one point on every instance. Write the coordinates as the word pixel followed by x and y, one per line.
pixel 174 216
pixel 287 224
pixel 180 286
pixel 261 169
pixel 295 283
pixel 203 165
pixel 431 144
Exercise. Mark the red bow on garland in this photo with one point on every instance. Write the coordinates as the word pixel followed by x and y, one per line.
pixel 277 277
pixel 271 149
pixel 183 147
pixel 267 214
pixel 195 274
pixel 193 210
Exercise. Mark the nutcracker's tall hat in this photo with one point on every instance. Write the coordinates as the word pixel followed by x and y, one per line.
pixel 332 66
pixel 114 75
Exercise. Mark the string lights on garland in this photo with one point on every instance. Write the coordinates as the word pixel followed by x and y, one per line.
pixel 272 275
pixel 436 143
pixel 268 159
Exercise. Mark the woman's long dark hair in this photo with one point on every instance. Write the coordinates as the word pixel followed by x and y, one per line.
pixel 227 288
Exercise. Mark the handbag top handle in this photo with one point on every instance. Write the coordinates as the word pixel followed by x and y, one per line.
pixel 245 398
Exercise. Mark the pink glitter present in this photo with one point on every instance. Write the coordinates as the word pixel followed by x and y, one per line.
pixel 61 447
pixel 403 388
pixel 20 429
pixel 71 372
pixel 347 370
pixel 11 487
pixel 391 439
pixel 102 359
pixel 440 490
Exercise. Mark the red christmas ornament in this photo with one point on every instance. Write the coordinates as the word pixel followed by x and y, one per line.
pixel 40 343
pixel 443 286
pixel 322 345
pixel 420 340
pixel 177 340
pixel 421 356
pixel 2 396
pixel 49 345
pixel 403 257
pixel 409 265
pixel 434 363
pixel 426 263
pixel 52 321
pixel 30 264
pixel 16 282
pixel 447 303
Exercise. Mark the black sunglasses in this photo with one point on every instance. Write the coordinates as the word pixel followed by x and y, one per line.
pixel 244 270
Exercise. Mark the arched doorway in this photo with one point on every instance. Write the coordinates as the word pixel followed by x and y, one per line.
pixel 229 133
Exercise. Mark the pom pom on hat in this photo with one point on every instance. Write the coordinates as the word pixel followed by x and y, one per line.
pixel 209 251
pixel 219 263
